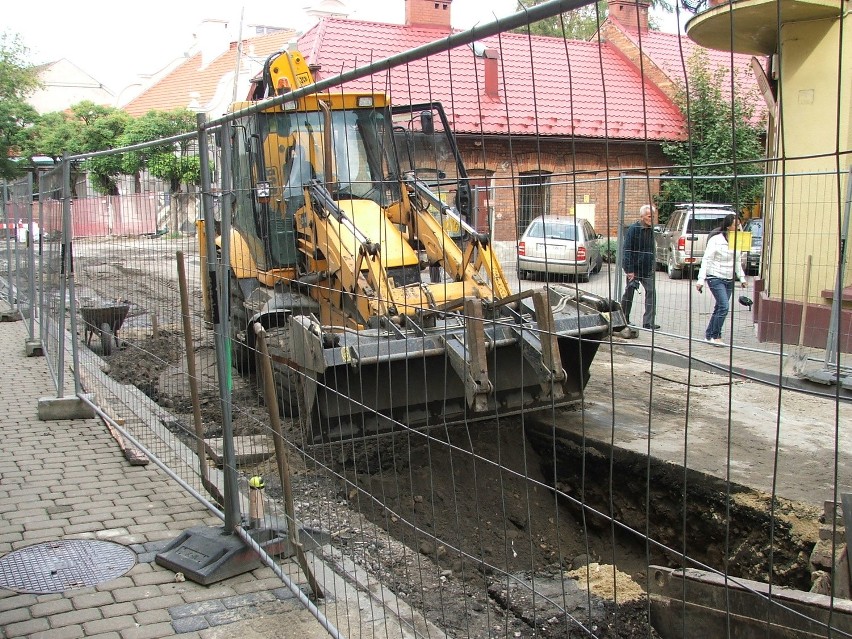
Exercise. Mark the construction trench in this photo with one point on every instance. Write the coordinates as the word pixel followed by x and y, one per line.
pixel 555 524
pixel 442 527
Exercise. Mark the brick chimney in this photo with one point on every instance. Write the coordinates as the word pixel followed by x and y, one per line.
pixel 491 79
pixel 625 12
pixel 428 14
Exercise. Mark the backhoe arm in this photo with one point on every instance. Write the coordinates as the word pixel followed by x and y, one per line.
pixel 370 293
pixel 440 247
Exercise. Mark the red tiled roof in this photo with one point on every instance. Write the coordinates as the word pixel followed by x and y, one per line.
pixel 189 81
pixel 673 59
pixel 547 85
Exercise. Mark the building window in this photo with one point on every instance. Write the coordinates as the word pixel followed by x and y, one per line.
pixel 534 198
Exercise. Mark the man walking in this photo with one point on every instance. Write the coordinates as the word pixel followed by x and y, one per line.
pixel 639 263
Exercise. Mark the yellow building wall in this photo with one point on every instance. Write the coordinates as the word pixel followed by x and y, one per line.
pixel 816 123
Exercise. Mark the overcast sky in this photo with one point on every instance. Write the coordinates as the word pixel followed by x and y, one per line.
pixel 116 41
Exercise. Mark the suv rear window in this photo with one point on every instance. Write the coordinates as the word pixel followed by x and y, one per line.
pixel 703 224
pixel 755 227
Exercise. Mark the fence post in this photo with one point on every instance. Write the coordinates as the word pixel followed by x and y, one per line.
pixel 223 350
pixel 619 252
pixel 61 407
pixel 42 323
pixel 16 279
pixel 63 276
pixel 33 345
pixel 75 340
pixel 12 315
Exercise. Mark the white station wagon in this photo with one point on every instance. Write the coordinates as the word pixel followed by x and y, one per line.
pixel 560 245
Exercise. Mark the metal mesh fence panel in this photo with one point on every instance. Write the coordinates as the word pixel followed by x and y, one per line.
pixel 27 239
pixel 52 273
pixel 134 358
pixel 383 337
pixel 15 242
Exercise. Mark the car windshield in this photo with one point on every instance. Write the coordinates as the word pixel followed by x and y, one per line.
pixel 553 230
pixel 704 224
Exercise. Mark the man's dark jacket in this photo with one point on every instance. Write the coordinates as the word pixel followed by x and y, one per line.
pixel 639 247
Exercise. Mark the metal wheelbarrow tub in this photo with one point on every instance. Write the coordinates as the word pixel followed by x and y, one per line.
pixel 106 322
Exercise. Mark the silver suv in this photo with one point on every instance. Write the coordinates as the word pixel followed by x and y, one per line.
pixel 681 242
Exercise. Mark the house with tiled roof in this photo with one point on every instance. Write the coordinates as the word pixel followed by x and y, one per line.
pixel 539 120
pixel 665 57
pixel 544 125
pixel 210 79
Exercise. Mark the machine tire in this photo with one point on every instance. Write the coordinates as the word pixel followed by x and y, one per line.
pixel 242 357
pixel 674 272
pixel 106 339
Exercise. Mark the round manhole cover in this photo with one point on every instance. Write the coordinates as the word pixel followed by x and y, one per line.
pixel 57 566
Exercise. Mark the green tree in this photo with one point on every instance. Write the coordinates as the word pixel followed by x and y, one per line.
pixel 52 134
pixel 723 138
pixel 170 162
pixel 18 79
pixel 175 162
pixel 102 130
pixel 85 128
pixel 579 24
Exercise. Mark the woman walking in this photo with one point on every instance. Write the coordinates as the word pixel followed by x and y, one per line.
pixel 720 267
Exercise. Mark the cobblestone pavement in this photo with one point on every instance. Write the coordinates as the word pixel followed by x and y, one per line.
pixel 69 480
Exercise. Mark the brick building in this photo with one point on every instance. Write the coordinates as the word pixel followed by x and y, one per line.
pixel 544 125
pixel 530 116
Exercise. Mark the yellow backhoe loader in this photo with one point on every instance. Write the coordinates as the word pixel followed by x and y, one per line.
pixel 384 307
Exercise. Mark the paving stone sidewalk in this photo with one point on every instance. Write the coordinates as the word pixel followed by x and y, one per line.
pixel 68 480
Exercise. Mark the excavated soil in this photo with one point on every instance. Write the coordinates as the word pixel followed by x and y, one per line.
pixel 482 527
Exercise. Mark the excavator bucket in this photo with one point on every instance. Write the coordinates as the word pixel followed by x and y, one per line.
pixel 528 353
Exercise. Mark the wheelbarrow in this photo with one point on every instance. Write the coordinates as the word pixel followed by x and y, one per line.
pixel 105 321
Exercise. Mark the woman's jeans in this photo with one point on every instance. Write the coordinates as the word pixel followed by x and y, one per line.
pixel 722 291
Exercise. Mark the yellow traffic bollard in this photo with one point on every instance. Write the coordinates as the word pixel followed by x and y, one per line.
pixel 256 486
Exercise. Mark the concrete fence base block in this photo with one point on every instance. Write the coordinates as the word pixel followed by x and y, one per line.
pixel 64 408
pixel 11 316
pixel 34 347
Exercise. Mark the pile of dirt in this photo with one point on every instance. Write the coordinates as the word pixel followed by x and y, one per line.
pixel 141 361
pixel 157 367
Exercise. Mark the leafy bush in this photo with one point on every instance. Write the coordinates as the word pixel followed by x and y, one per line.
pixel 719 159
pixel 609 250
